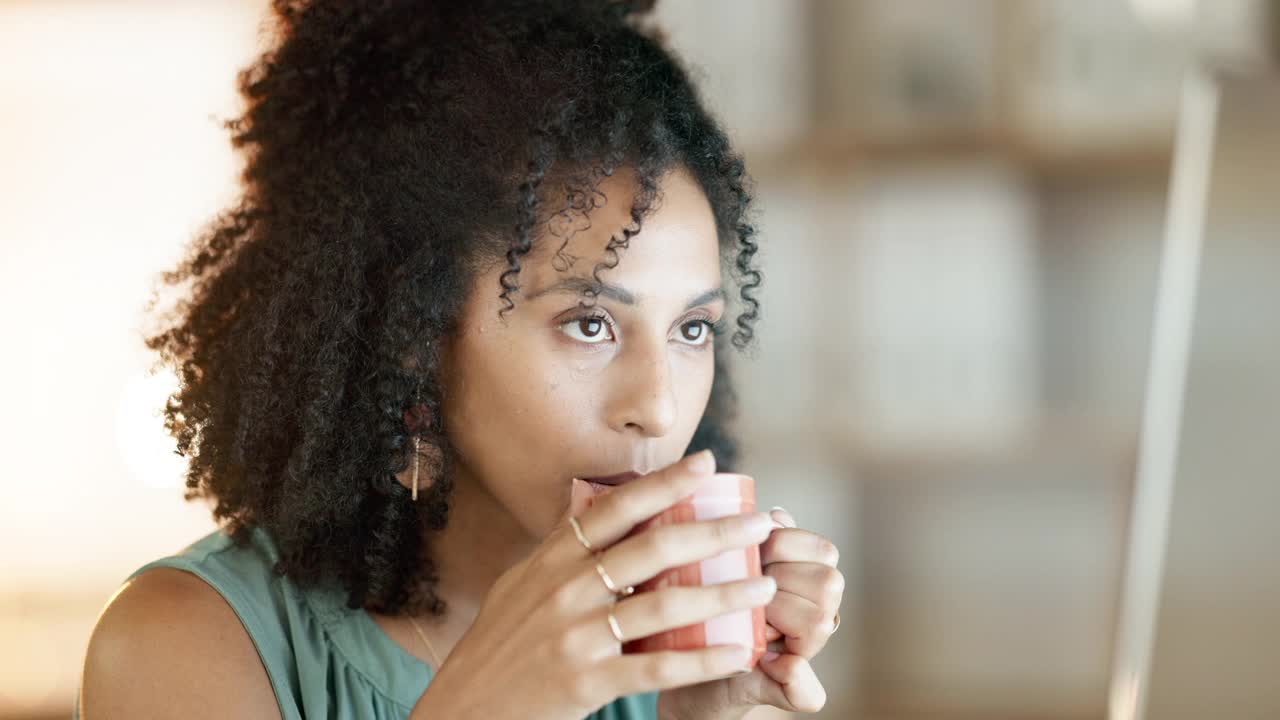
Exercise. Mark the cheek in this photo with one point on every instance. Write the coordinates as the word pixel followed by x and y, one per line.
pixel 514 408
pixel 694 385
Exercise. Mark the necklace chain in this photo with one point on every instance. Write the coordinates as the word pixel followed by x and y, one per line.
pixel 425 641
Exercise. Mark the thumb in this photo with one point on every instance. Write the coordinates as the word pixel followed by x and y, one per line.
pixel 792 684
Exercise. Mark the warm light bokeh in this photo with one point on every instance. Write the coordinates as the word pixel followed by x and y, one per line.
pixel 111 156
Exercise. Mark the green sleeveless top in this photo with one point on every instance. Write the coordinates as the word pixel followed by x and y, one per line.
pixel 324 659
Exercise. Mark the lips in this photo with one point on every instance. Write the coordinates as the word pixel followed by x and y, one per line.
pixel 618 479
pixel 597 489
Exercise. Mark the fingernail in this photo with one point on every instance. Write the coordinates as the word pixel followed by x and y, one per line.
pixel 790 519
pixel 762 588
pixel 759 525
pixel 702 462
pixel 770 656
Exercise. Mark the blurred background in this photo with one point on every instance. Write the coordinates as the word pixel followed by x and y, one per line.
pixel 1017 353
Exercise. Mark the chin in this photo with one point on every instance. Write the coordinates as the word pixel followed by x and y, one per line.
pixel 536 522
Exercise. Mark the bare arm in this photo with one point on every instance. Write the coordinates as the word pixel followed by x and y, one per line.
pixel 168 646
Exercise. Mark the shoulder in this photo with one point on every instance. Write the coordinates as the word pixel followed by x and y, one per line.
pixel 168 645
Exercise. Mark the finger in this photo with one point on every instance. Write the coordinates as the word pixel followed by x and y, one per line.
pixel 796 545
pixel 795 686
pixel 631 674
pixel 822 584
pixel 642 556
pixel 650 613
pixel 771 633
pixel 806 627
pixel 613 515
pixel 580 497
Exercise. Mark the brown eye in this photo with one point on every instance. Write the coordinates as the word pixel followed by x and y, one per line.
pixel 591 329
pixel 695 333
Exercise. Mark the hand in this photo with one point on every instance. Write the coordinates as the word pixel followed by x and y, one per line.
pixel 800 618
pixel 541 647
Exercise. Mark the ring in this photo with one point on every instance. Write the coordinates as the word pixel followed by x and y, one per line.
pixel 611 585
pixel 577 530
pixel 837 625
pixel 613 626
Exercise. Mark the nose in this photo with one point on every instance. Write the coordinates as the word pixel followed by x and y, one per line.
pixel 644 398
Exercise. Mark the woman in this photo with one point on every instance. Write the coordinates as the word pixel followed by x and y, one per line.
pixel 477 258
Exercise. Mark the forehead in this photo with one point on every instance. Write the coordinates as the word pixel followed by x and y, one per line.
pixel 677 237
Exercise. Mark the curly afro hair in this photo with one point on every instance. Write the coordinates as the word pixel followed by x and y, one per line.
pixel 393 149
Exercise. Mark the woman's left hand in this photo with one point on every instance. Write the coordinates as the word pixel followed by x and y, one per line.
pixel 800 618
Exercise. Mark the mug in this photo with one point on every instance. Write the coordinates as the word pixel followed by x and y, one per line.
pixel 720 495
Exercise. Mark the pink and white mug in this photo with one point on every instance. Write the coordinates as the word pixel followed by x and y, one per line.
pixel 720 495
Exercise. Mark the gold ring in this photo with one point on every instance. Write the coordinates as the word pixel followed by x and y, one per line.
pixel 609 583
pixel 613 627
pixel 577 530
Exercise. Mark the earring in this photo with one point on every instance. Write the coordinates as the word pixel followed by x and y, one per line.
pixel 415 469
pixel 418 423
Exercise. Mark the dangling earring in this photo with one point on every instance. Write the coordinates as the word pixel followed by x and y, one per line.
pixel 417 425
pixel 415 469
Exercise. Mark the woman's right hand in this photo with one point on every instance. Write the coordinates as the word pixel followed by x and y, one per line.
pixel 541 647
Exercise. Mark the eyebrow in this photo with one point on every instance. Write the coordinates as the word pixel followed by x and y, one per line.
pixel 617 293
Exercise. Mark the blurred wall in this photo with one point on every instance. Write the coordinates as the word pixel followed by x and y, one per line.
pixel 111 156
pixel 1217 633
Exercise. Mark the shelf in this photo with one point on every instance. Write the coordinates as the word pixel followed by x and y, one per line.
pixel 836 153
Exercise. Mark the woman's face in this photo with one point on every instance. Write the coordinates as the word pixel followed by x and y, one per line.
pixel 554 391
